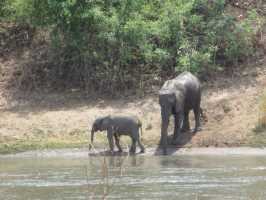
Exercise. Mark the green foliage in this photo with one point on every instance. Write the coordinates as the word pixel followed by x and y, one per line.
pixel 16 10
pixel 111 44
pixel 4 9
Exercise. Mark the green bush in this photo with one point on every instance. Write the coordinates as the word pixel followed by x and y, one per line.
pixel 112 45
pixel 4 9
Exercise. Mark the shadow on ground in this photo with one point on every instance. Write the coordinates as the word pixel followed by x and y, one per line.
pixel 183 139
pixel 38 102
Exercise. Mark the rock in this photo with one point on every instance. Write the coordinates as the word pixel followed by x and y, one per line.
pixel 218 117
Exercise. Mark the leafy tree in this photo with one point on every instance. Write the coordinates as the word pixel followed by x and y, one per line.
pixel 113 44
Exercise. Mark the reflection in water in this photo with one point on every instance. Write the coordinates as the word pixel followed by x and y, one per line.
pixel 133 177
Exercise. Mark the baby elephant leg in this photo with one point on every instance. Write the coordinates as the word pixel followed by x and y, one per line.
pixel 110 140
pixel 133 146
pixel 118 143
pixel 136 138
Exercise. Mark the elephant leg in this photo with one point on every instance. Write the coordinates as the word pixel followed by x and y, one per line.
pixel 110 140
pixel 133 146
pixel 164 134
pixel 179 118
pixel 196 111
pixel 186 126
pixel 117 142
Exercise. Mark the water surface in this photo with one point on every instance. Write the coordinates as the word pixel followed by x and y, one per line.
pixel 135 177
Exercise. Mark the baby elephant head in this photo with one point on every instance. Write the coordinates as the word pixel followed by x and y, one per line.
pixel 100 124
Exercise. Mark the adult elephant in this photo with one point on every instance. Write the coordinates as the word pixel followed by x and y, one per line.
pixel 177 97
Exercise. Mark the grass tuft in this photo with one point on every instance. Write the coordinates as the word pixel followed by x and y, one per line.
pixel 261 126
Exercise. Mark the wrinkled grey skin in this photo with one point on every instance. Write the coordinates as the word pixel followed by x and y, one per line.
pixel 117 126
pixel 177 97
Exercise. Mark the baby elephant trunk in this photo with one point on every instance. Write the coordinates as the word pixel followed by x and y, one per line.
pixel 92 137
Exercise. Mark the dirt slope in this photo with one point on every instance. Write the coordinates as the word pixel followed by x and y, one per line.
pixel 231 106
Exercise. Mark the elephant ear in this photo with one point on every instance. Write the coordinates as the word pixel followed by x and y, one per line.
pixel 97 123
pixel 172 98
pixel 106 122
pixel 179 101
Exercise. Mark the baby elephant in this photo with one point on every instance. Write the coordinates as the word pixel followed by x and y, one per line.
pixel 117 126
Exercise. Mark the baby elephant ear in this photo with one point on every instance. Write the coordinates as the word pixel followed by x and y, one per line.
pixel 105 122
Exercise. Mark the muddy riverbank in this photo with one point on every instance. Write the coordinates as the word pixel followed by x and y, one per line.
pixel 84 153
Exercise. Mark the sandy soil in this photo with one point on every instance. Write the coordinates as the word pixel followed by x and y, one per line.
pixel 230 104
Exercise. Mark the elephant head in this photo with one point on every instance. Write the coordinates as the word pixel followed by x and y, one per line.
pixel 100 124
pixel 167 103
pixel 171 103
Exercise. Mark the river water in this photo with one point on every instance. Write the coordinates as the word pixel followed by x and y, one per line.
pixel 196 177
